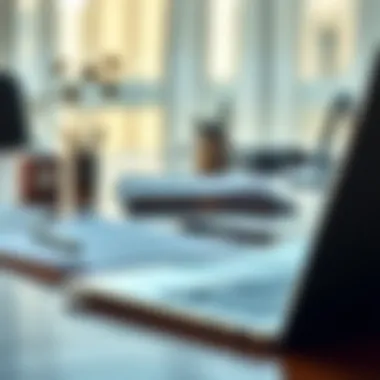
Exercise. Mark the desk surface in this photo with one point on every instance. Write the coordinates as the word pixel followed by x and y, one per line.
pixel 359 362
pixel 51 341
pixel 114 244
pixel 86 347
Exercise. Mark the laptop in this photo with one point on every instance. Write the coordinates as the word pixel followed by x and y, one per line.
pixel 300 294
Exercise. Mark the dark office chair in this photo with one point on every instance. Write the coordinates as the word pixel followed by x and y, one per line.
pixel 342 105
pixel 277 160
pixel 13 133
pixel 13 126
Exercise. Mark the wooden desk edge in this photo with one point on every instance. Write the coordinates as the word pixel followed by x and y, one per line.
pixel 319 364
pixel 43 273
pixel 133 312
pixel 130 312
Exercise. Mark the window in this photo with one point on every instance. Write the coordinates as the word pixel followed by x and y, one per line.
pixel 70 37
pixel 126 39
pixel 328 38
pixel 223 39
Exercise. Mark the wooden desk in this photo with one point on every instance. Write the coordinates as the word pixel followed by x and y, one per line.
pixel 56 270
pixel 85 347
pixel 112 294
pixel 74 332
pixel 78 345
pixel 44 273
pixel 358 362
pixel 306 202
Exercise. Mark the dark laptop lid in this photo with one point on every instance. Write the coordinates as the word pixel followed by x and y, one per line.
pixel 340 293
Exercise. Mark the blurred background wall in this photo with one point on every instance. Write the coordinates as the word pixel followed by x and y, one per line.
pixel 138 74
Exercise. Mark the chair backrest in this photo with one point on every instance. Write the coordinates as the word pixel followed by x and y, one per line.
pixel 13 126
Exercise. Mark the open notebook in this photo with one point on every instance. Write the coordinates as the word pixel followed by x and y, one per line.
pixel 312 291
